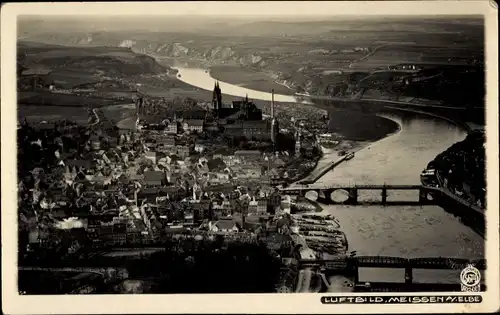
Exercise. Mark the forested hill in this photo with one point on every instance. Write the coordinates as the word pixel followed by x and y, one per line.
pixel 462 167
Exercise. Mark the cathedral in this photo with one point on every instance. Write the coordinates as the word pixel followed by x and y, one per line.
pixel 243 118
pixel 238 110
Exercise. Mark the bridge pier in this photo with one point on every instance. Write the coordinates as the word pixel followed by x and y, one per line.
pixel 408 275
pixel 324 193
pixel 349 267
pixel 328 195
pixel 353 196
pixel 353 267
pixel 422 196
pixel 356 274
pixel 384 196
pixel 322 196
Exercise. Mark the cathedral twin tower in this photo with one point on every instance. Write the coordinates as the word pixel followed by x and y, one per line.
pixel 217 99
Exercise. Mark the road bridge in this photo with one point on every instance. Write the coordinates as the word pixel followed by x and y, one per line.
pixel 426 195
pixel 324 193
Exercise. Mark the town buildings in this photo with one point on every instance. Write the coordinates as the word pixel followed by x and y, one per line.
pixel 193 125
pixel 139 185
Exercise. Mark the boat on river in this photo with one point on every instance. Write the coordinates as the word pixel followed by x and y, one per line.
pixel 332 243
pixel 349 156
pixel 302 94
pixel 305 227
pixel 327 141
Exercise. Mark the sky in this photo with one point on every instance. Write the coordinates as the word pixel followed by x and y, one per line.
pixel 276 9
pixel 196 16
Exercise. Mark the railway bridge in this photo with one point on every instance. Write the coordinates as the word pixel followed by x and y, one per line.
pixel 350 267
pixel 109 274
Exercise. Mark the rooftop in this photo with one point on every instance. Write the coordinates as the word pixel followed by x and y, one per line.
pixel 154 175
pixel 191 113
pixel 79 163
pixel 249 124
pixel 151 119
pixel 247 152
pixel 225 224
pixel 194 122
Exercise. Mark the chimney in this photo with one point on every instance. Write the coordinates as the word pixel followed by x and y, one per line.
pixel 272 104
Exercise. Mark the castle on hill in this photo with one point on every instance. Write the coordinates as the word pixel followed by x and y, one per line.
pixel 243 118
pixel 239 118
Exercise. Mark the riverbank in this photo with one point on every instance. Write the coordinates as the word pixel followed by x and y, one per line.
pixel 356 126
pixel 256 80
pixel 464 125
pixel 345 127
pixel 348 124
pixel 331 156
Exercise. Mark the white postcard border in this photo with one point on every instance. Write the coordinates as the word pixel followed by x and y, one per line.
pixel 235 303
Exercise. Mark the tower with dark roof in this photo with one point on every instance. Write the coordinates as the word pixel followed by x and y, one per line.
pixel 216 99
pixel 274 123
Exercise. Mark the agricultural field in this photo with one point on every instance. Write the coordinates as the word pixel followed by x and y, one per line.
pixel 67 78
pixel 248 78
pixel 40 51
pixel 64 100
pixel 398 54
pixel 52 113
pixel 71 67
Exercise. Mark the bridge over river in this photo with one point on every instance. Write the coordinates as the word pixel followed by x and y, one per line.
pixel 350 268
pixel 427 195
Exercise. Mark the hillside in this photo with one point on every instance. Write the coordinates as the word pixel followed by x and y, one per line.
pixel 103 71
pixel 112 61
pixel 462 167
pixel 346 57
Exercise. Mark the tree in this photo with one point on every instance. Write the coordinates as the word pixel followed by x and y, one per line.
pixel 215 164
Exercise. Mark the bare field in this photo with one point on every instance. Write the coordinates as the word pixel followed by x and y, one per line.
pixel 68 79
pixel 392 55
pixel 65 100
pixel 48 113
pixel 38 51
pixel 248 78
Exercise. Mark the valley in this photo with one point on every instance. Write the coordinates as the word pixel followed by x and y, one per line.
pixel 340 58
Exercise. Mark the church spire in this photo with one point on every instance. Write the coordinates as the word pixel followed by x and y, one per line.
pixel 216 98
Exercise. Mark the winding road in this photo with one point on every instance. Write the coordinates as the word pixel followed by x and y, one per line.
pixel 97 120
pixel 371 53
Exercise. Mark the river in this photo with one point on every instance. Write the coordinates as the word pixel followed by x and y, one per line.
pixel 405 231
pixel 202 79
